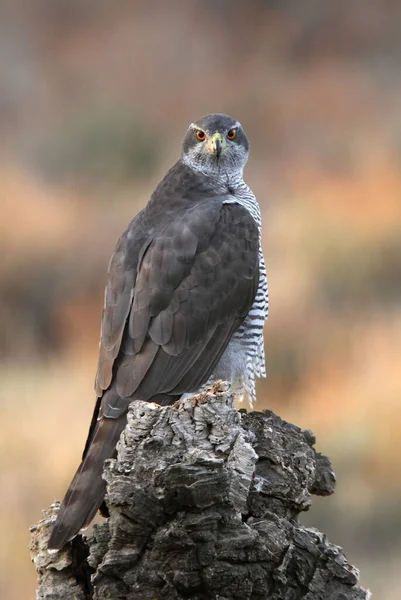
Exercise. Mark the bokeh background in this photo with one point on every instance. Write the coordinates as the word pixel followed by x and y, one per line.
pixel 95 98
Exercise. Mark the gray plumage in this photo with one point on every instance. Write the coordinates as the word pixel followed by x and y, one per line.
pixel 185 301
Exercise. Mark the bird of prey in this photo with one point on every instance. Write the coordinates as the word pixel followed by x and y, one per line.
pixel 185 301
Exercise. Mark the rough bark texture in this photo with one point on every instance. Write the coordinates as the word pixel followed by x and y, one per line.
pixel 203 504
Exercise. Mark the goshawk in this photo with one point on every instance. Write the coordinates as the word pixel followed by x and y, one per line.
pixel 185 301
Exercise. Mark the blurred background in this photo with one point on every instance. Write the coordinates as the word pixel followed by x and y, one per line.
pixel 95 98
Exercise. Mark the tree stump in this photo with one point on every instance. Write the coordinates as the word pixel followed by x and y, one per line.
pixel 203 504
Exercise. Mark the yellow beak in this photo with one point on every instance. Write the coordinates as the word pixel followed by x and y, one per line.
pixel 216 143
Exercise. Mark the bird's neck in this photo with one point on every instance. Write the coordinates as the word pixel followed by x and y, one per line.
pixel 220 173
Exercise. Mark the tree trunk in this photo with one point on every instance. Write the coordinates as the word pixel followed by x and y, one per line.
pixel 203 504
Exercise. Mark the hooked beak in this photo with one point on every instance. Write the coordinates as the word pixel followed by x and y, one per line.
pixel 216 144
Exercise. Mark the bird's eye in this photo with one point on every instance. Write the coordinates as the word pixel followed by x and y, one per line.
pixel 200 135
pixel 232 134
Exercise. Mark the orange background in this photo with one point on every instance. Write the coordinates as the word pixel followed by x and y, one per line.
pixel 95 98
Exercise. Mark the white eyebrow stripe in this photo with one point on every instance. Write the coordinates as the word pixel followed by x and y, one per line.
pixel 193 126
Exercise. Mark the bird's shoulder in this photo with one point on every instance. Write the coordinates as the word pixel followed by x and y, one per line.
pixel 183 199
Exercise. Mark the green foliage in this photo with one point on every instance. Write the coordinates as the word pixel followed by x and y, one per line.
pixel 109 146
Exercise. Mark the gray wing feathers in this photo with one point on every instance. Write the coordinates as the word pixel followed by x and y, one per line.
pixel 173 301
pixel 117 304
pixel 198 273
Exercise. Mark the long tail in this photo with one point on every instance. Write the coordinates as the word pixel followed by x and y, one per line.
pixel 87 489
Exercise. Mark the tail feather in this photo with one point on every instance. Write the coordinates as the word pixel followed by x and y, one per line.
pixel 87 489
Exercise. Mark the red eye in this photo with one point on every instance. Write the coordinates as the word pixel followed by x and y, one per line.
pixel 232 134
pixel 200 135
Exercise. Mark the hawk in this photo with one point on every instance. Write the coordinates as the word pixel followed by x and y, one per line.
pixel 185 301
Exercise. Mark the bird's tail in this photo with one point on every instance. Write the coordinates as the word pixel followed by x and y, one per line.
pixel 87 489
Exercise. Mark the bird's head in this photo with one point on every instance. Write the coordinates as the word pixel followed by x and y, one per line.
pixel 216 145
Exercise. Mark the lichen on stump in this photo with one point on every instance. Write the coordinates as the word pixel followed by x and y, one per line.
pixel 203 504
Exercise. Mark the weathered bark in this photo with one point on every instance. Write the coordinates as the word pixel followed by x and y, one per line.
pixel 203 504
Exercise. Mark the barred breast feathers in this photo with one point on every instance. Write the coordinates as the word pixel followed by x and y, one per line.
pixel 250 333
